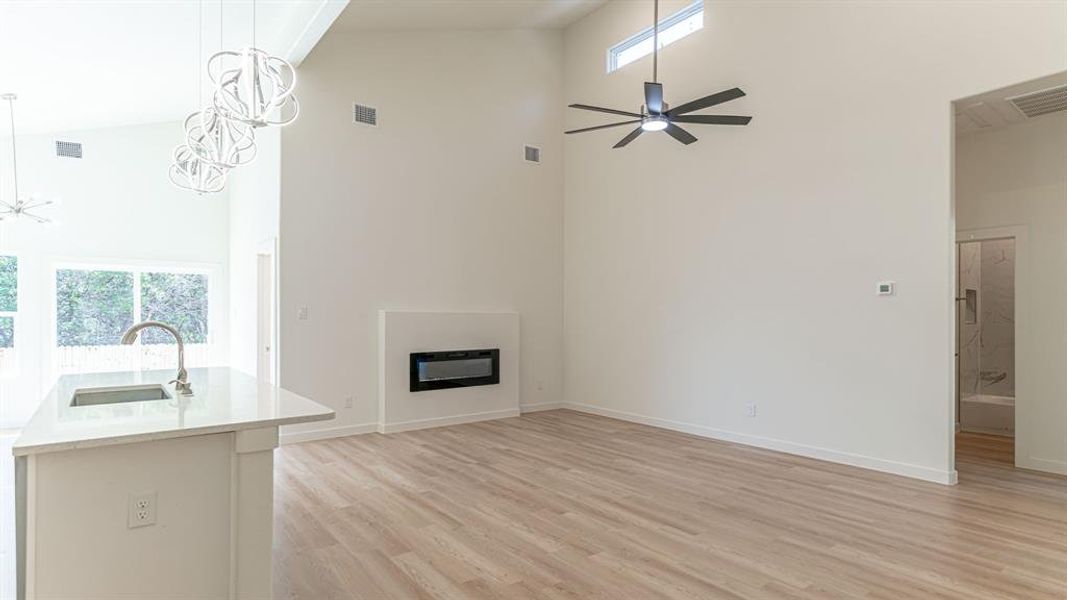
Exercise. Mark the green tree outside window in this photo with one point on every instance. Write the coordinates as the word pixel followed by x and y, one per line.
pixel 7 332
pixel 9 268
pixel 178 299
pixel 93 308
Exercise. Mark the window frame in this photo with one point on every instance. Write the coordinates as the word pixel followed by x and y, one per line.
pixel 20 287
pixel 697 7
pixel 213 271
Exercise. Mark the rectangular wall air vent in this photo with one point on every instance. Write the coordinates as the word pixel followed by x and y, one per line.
pixel 1041 103
pixel 366 115
pixel 531 154
pixel 69 149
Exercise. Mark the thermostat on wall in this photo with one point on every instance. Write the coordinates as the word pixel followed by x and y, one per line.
pixel 885 288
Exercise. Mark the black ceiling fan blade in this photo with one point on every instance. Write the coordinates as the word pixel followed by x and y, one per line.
pixel 606 110
pixel 706 101
pixel 713 119
pixel 629 137
pixel 654 97
pixel 603 126
pixel 680 134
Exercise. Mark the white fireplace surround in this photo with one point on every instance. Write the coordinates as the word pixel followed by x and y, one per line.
pixel 402 332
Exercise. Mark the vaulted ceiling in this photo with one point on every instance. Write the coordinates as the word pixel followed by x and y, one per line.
pixel 369 15
pixel 99 63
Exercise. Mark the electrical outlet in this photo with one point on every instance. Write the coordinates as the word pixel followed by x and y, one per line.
pixel 750 409
pixel 142 510
pixel 350 401
pixel 303 313
pixel 540 386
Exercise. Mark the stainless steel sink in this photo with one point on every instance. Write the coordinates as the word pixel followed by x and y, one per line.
pixel 114 395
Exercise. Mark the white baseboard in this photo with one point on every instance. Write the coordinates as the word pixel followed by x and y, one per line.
pixel 529 408
pixel 1047 465
pixel 296 437
pixel 443 421
pixel 986 431
pixel 855 460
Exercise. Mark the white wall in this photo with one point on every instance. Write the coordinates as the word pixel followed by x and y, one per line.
pixel 742 269
pixel 253 219
pixel 117 205
pixel 404 332
pixel 1017 176
pixel 432 210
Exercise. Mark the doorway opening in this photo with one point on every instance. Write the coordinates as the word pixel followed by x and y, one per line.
pixel 985 349
pixel 1009 186
pixel 267 312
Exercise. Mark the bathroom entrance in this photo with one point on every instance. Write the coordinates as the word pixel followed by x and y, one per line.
pixel 1009 184
pixel 985 355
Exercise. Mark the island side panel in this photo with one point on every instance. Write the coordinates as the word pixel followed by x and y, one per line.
pixel 83 545
pixel 254 512
pixel 21 489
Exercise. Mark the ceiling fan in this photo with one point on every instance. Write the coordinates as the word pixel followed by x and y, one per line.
pixel 656 115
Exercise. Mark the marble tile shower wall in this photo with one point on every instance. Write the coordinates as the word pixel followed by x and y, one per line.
pixel 969 338
pixel 987 346
pixel 997 318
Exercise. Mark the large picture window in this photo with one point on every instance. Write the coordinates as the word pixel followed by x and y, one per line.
pixel 94 306
pixel 9 306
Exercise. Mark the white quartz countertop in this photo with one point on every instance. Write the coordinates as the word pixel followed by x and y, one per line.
pixel 223 400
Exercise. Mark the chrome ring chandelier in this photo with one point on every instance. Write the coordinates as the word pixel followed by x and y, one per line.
pixel 191 173
pixel 255 88
pixel 219 141
pixel 251 89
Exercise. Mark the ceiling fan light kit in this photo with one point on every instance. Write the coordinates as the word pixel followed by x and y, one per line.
pixel 656 115
pixel 251 89
pixel 654 123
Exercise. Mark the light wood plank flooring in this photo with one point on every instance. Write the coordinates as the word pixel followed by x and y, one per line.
pixel 561 504
pixel 981 448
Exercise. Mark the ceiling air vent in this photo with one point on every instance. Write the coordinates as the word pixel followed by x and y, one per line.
pixel 1041 103
pixel 366 115
pixel 531 154
pixel 69 149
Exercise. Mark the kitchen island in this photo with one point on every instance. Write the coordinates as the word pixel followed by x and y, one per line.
pixel 127 488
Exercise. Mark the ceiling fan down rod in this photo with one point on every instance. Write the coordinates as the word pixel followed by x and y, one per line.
pixel 655 40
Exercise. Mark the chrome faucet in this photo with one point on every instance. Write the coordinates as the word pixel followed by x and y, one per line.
pixel 181 382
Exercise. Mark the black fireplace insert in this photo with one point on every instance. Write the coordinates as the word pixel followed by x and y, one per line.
pixel 454 369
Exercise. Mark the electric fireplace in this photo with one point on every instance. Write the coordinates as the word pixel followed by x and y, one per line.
pixel 454 369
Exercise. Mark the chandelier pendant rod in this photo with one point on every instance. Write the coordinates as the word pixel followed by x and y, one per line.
pixel 254 90
pixel 199 51
pixel 14 153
